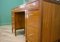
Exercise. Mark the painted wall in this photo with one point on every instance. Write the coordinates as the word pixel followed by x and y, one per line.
pixel 5 10
pixel 26 0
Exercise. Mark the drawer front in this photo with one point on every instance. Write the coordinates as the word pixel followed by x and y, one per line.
pixel 33 18
pixel 33 26
pixel 32 34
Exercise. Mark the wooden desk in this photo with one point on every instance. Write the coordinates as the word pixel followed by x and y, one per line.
pixel 42 22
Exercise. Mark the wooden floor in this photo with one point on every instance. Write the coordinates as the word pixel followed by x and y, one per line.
pixel 6 35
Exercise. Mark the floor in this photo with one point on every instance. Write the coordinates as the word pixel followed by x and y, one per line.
pixel 6 34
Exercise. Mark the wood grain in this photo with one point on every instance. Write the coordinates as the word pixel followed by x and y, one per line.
pixel 51 24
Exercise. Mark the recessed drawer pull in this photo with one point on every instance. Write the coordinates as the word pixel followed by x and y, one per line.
pixel 30 35
pixel 28 15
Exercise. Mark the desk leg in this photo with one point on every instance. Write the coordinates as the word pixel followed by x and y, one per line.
pixel 12 29
pixel 15 32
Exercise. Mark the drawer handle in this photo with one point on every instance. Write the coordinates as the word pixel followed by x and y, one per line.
pixel 30 34
pixel 30 14
pixel 27 15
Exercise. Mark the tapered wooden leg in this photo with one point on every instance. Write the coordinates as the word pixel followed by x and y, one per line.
pixel 12 29
pixel 24 32
pixel 15 32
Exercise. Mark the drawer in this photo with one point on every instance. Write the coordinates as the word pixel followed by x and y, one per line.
pixel 33 18
pixel 32 34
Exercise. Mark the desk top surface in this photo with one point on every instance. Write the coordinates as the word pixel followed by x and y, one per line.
pixel 18 9
pixel 30 6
